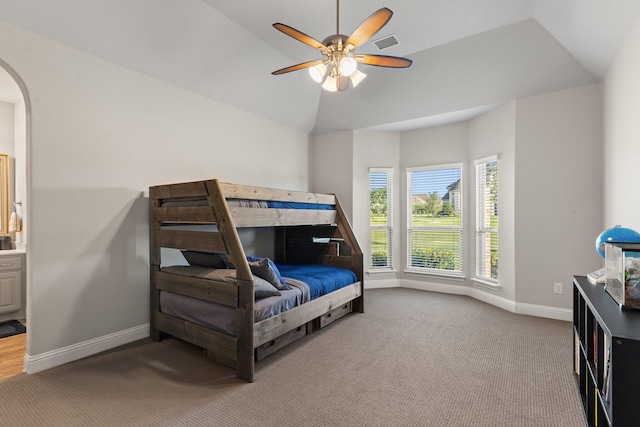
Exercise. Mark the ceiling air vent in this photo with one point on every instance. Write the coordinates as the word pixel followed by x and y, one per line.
pixel 386 42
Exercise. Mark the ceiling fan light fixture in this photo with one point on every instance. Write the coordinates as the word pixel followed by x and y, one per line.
pixel 357 77
pixel 318 72
pixel 348 66
pixel 330 84
pixel 339 64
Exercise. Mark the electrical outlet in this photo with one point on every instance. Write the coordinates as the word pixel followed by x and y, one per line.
pixel 557 288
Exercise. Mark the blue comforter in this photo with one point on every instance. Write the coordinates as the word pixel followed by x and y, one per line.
pixel 321 279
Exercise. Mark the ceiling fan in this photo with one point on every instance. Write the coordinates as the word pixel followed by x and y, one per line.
pixel 339 63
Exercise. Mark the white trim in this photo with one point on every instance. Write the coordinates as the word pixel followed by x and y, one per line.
pixel 381 170
pixel 454 275
pixel 547 312
pixel 380 284
pixel 556 313
pixel 488 159
pixel 495 300
pixel 485 283
pixel 437 167
pixel 387 271
pixel 435 287
pixel 50 359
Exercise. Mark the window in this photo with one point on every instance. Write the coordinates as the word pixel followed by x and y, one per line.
pixel 380 218
pixel 487 219
pixel 435 219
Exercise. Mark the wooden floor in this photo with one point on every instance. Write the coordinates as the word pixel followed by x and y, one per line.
pixel 12 350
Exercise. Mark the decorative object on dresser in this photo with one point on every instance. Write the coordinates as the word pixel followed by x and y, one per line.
pixel 214 302
pixel 606 354
pixel 622 273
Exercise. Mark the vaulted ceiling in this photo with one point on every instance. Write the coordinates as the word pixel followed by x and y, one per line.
pixel 469 55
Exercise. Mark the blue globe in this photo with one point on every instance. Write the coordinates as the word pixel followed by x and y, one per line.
pixel 616 234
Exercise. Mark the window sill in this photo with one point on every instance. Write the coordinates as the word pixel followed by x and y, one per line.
pixel 452 276
pixel 486 283
pixel 381 272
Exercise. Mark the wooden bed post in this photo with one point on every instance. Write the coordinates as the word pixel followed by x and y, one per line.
pixel 154 265
pixel 244 312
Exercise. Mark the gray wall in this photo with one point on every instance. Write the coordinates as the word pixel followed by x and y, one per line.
pixel 91 165
pixel 549 148
pixel 558 192
pixel 622 142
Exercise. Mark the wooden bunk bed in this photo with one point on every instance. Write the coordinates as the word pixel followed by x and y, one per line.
pixel 314 234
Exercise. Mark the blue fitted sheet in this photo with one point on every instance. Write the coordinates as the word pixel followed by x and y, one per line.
pixel 321 279
pixel 203 201
pixel 300 205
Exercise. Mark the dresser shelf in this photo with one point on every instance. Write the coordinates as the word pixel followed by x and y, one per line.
pixel 607 356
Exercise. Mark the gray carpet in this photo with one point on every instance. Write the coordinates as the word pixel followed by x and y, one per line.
pixel 413 359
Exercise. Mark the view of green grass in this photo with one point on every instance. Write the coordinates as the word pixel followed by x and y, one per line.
pixel 435 221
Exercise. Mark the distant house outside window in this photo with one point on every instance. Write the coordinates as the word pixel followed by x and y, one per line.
pixel 435 212
pixel 381 218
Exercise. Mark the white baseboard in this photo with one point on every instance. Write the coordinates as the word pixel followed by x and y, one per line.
pixel 495 300
pixel 50 359
pixel 548 312
pixel 556 313
pixel 435 287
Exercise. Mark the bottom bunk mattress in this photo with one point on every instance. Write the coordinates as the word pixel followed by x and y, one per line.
pixel 307 282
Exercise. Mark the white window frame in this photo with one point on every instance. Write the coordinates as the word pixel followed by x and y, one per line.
pixel 388 227
pixel 482 251
pixel 457 273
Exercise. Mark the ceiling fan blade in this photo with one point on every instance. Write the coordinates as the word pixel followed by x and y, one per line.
pixel 384 61
pixel 297 67
pixel 292 32
pixel 369 27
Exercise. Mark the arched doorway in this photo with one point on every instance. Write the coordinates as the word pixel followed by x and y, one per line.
pixel 14 105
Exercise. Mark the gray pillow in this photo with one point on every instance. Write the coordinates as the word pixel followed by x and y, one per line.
pixel 205 259
pixel 263 289
pixel 263 270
